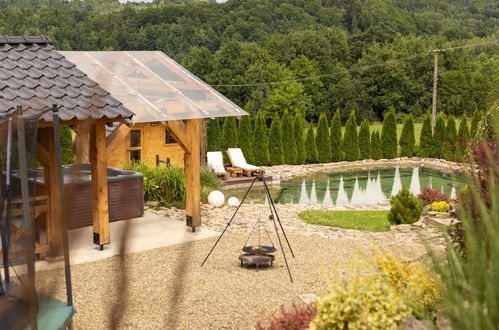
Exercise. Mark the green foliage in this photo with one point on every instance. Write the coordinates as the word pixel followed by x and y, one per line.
pixel 463 137
pixel 426 138
pixel 376 146
pixel 275 141
pixel 389 135
pixel 364 140
pixel 405 207
pixel 260 141
pixel 351 139
pixel 245 138
pixel 439 147
pixel 310 145
pixel 322 140
pixel 209 182
pixel 407 139
pixel 229 136
pixel 335 138
pixel 288 138
pixel 213 135
pixel 360 220
pixel 477 116
pixel 451 137
pixel 66 145
pixel 301 153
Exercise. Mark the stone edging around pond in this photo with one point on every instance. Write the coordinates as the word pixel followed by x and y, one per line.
pixel 290 171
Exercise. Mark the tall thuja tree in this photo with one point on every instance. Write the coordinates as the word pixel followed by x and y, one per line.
pixel 322 140
pixel 463 137
pixel 364 140
pixel 229 136
pixel 351 139
pixel 376 146
pixel 335 138
pixel 275 141
pixel 389 135
pixel 310 145
pixel 66 145
pixel 301 153
pixel 477 116
pixel 213 135
pixel 260 141
pixel 440 147
pixel 426 137
pixel 245 138
pixel 288 138
pixel 451 137
pixel 407 140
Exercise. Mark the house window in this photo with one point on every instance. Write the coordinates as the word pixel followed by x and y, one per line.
pixel 135 148
pixel 135 138
pixel 169 139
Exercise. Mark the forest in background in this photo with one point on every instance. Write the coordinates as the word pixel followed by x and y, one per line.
pixel 371 54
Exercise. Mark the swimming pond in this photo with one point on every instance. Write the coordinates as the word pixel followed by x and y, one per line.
pixel 352 188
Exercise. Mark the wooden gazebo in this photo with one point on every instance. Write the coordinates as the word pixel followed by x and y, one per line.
pixel 35 77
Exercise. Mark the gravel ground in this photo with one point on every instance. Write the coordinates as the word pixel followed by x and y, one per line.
pixel 166 288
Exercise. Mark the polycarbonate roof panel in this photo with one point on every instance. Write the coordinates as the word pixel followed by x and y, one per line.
pixel 153 86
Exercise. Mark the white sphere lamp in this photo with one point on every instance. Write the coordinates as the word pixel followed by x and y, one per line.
pixel 233 201
pixel 216 198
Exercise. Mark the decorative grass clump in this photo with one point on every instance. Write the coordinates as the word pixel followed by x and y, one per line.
pixel 360 220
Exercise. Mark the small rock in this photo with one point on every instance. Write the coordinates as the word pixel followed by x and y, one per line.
pixel 152 203
pixel 411 323
pixel 307 298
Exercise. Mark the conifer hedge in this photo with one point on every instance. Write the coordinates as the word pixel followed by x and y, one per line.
pixel 310 145
pixel 440 146
pixel 245 138
pixel 463 137
pixel 375 146
pixel 351 139
pixel 322 140
pixel 389 135
pixel 451 137
pixel 229 136
pixel 335 138
pixel 213 135
pixel 66 145
pixel 426 138
pixel 288 138
pixel 407 140
pixel 275 141
pixel 260 141
pixel 301 154
pixel 364 140
pixel 477 116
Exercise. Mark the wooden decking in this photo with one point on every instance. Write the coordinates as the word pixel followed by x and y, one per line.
pixel 242 179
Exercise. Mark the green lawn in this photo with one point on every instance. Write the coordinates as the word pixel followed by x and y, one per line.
pixel 361 220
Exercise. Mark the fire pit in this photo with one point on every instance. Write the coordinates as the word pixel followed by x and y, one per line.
pixel 257 255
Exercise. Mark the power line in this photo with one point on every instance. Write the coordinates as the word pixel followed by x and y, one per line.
pixel 360 68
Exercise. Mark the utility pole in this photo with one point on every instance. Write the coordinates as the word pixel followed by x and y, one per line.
pixel 435 82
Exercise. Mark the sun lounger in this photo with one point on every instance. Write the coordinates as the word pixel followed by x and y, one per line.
pixel 237 159
pixel 215 162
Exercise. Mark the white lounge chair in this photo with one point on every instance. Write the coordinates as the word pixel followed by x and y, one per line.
pixel 215 162
pixel 237 159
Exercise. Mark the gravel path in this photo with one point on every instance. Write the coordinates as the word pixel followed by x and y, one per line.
pixel 221 295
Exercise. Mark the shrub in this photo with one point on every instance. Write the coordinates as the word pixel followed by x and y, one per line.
pixel 375 146
pixel 229 136
pixel 310 144
pixel 351 139
pixel 428 196
pixel 245 138
pixel 322 140
pixel 213 135
pixel 288 138
pixel 335 138
pixel 477 117
pixel 209 182
pixel 275 141
pixel 405 207
pixel 407 139
pixel 389 135
pixel 301 153
pixel 463 137
pixel 451 137
pixel 66 145
pixel 297 318
pixel 426 138
pixel 439 146
pixel 364 140
pixel 260 141
pixel 440 206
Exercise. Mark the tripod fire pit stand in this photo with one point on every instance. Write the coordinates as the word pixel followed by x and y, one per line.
pixel 260 254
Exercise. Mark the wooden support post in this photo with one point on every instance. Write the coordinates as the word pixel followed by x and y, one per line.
pixel 202 142
pixel 98 160
pixel 82 141
pixel 192 175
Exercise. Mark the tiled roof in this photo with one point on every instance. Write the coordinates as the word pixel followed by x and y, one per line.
pixel 35 76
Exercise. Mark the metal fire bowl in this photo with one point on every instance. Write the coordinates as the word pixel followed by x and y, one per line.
pixel 259 249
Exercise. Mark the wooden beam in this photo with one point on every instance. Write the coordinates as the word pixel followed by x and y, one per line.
pixel 82 141
pixel 74 122
pixel 115 140
pixel 192 175
pixel 42 154
pixel 202 142
pixel 179 131
pixel 98 160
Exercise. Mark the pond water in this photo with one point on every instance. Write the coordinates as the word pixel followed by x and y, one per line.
pixel 354 187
